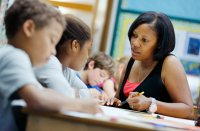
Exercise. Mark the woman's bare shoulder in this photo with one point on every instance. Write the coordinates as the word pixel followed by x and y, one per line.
pixel 171 61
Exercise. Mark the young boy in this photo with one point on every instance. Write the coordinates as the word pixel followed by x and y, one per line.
pixel 98 68
pixel 33 29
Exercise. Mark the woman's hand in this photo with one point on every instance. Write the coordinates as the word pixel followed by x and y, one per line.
pixel 113 101
pixel 138 102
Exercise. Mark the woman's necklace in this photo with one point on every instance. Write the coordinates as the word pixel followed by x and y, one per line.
pixel 143 73
pixel 139 75
pixel 140 78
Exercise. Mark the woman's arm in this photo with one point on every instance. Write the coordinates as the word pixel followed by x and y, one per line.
pixel 175 81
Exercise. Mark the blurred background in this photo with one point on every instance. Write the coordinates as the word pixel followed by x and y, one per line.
pixel 110 20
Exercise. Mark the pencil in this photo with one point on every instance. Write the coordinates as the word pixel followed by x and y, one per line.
pixel 141 93
pixel 124 102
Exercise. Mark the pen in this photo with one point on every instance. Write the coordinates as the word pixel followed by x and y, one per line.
pixel 124 102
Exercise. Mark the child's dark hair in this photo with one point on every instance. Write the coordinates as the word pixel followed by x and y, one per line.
pixel 102 61
pixel 22 10
pixel 75 29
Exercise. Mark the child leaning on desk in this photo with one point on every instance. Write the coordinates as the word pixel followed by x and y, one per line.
pixel 33 29
pixel 72 53
pixel 110 86
pixel 99 68
pixel 154 70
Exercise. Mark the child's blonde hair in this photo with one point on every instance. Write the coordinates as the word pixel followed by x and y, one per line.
pixel 102 61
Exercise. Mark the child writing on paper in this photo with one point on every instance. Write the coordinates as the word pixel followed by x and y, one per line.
pixel 98 68
pixel 32 38
pixel 151 69
pixel 72 52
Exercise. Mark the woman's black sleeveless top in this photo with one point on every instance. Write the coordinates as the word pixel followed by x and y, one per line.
pixel 152 85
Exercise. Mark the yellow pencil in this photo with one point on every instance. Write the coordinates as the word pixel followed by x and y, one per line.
pixel 141 93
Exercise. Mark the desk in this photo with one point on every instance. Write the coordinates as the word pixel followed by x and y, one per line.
pixel 123 120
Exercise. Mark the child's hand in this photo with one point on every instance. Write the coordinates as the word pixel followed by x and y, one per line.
pixel 113 101
pixel 95 93
pixel 90 106
pixel 103 97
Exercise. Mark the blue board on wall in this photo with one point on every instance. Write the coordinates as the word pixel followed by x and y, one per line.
pixel 183 9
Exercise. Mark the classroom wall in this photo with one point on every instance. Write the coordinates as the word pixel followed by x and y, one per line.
pixel 183 9
pixel 4 4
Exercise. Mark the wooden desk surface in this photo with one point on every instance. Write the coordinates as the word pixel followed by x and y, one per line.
pixel 86 122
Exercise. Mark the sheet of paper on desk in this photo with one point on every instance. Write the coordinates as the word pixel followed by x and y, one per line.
pixel 182 121
pixel 133 117
pixel 112 111
pixel 77 114
pixel 111 114
pixel 123 113
pixel 136 116
pixel 107 112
